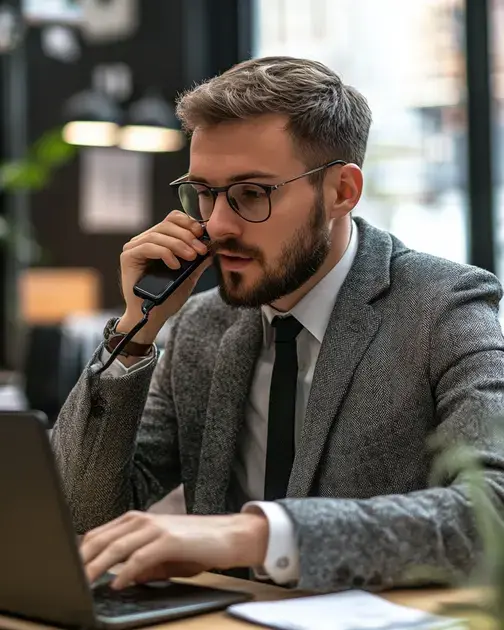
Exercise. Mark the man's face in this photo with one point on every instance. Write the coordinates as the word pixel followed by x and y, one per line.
pixel 258 263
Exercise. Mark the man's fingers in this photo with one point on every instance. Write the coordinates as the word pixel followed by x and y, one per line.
pixel 160 572
pixel 175 245
pixel 166 228
pixel 120 550
pixel 98 541
pixel 92 534
pixel 175 218
pixel 98 531
pixel 142 560
pixel 184 220
pixel 185 569
pixel 168 570
pixel 149 251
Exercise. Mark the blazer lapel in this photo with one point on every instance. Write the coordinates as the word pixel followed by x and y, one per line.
pixel 232 378
pixel 353 324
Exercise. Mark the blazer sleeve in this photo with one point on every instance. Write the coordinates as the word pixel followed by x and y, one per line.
pixel 372 543
pixel 116 440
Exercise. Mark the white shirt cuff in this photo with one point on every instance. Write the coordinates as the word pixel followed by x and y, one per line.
pixel 282 555
pixel 117 368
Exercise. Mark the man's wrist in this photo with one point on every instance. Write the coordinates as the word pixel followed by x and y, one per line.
pixel 249 539
pixel 146 336
pixel 281 562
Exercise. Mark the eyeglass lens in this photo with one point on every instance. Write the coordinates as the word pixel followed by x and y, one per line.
pixel 250 201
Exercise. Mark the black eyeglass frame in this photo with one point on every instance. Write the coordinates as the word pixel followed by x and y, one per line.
pixel 268 188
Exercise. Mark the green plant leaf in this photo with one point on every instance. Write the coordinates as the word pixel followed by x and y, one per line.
pixel 462 462
pixel 32 174
pixel 461 465
pixel 52 150
pixel 23 175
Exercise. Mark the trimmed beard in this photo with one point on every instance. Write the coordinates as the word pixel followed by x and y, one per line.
pixel 299 260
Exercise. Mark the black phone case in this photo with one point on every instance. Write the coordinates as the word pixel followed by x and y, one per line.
pixel 159 281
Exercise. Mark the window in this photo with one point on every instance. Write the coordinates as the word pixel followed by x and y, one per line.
pixel 52 10
pixel 497 83
pixel 408 59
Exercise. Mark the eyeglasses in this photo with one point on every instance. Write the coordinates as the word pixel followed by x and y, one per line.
pixel 251 201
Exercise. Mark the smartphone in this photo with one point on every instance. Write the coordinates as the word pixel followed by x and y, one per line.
pixel 159 281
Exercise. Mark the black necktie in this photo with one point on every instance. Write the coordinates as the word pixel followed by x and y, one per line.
pixel 282 409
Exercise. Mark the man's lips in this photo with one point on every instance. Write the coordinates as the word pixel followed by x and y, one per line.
pixel 232 255
pixel 233 262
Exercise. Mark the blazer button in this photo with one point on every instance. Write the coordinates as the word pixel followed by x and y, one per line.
pixel 343 574
pixel 97 409
pixel 282 563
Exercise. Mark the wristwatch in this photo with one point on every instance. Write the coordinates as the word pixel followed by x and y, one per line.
pixel 113 338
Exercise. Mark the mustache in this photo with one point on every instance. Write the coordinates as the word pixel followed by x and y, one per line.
pixel 233 246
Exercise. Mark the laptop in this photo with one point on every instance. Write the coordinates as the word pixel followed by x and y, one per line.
pixel 41 574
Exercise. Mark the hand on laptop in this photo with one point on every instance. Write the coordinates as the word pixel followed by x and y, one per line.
pixel 159 547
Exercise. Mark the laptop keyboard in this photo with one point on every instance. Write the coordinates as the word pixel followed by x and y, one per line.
pixel 133 600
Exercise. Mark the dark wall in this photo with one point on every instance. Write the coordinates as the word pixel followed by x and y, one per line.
pixel 155 56
pixel 14 208
pixel 4 279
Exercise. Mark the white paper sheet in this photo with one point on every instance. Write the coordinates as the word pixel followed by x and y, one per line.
pixel 350 610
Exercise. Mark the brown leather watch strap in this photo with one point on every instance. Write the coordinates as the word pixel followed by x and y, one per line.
pixel 132 349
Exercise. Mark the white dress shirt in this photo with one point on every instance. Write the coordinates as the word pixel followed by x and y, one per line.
pixel 313 311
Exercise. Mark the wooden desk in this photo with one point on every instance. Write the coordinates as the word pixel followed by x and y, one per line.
pixel 423 599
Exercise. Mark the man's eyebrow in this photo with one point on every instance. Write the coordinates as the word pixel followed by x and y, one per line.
pixel 239 177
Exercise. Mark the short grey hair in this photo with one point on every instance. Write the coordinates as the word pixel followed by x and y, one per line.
pixel 327 119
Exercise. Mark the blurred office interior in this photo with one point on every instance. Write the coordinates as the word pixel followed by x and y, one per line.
pixel 432 70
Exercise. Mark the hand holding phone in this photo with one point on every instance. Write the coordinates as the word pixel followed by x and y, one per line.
pixel 160 282
pixel 162 264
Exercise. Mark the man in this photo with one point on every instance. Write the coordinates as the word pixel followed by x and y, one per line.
pixel 296 403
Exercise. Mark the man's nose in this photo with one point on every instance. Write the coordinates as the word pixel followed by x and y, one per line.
pixel 224 222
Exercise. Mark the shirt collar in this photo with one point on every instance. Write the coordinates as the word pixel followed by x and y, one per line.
pixel 314 310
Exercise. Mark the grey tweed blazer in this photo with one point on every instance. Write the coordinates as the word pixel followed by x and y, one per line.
pixel 413 348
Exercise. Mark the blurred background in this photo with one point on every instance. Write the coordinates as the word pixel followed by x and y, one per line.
pixel 89 142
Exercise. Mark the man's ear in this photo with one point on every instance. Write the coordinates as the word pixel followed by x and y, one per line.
pixel 347 191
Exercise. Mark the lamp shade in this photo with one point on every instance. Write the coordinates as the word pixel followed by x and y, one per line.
pixel 92 119
pixel 151 126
